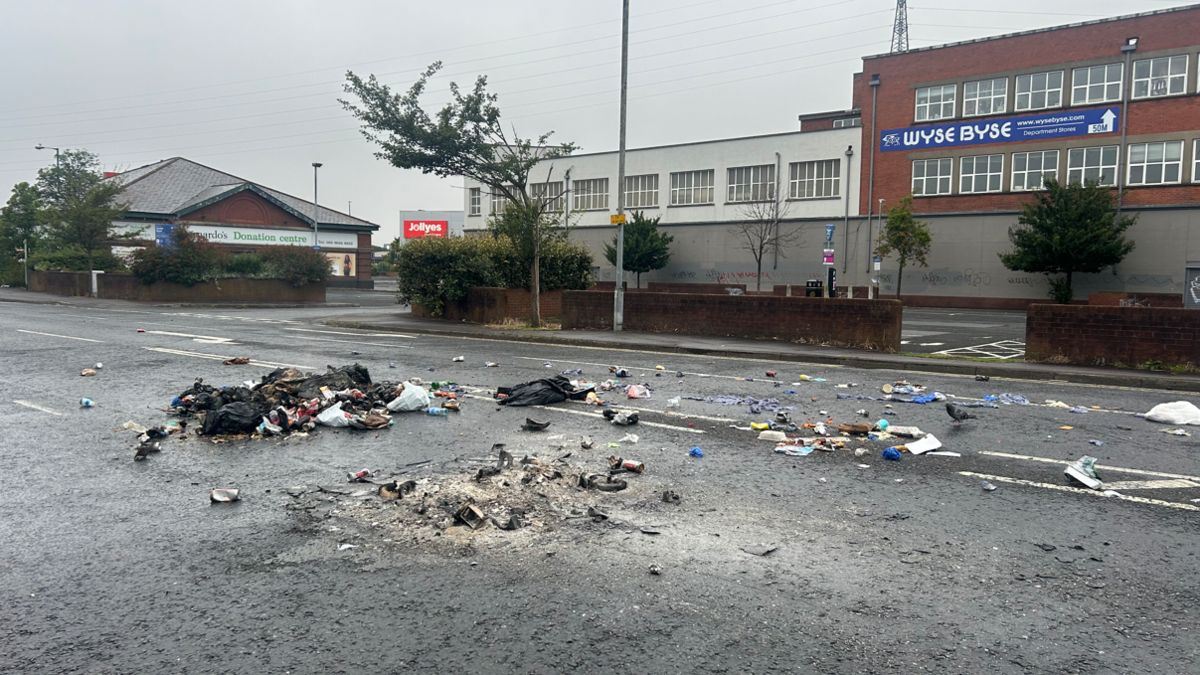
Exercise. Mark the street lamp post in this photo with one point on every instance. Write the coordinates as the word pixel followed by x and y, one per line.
pixel 39 146
pixel 316 220
pixel 619 296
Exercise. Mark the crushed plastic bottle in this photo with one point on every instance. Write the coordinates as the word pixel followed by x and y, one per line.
pixel 438 412
pixel 86 403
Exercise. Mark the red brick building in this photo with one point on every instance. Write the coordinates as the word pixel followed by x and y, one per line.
pixel 242 215
pixel 970 128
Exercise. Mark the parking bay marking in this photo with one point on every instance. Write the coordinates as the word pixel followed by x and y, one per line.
pixel 1067 488
pixel 35 406
pixel 1099 467
pixel 217 357
pixel 65 337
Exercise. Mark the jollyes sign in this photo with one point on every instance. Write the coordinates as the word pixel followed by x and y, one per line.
pixel 415 229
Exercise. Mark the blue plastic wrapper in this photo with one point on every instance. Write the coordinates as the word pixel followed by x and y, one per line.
pixel 696 452
pixel 892 454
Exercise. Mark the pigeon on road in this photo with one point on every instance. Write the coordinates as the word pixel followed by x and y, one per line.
pixel 958 414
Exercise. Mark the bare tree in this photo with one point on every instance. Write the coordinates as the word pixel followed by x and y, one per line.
pixel 759 232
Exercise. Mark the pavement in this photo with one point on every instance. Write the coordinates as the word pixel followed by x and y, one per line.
pixel 112 566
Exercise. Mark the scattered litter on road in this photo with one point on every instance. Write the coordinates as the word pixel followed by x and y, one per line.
pixel 988 486
pixel 224 495
pixel 655 569
pixel 1176 432
pixel 861 452
pixel 773 436
pixel 236 361
pixel 346 547
pixel 696 452
pixel 87 372
pixel 926 444
pixel 760 550
pixel 491 364
pixel 86 403
pixel 621 419
pixel 794 450
pixel 1084 471
pixel 546 391
pixel 982 378
pixel 471 516
pixel 586 443
pixel 628 438
pixel 1066 428
pixel 674 402
pixel 1175 414
pixel 532 425
pixel 945 453
pixel 1057 404
pixel 1096 442
pixel 891 454
pixel 671 497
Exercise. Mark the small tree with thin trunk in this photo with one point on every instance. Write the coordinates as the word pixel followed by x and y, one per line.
pixel 21 219
pixel 905 236
pixel 646 249
pixel 464 138
pixel 86 220
pixel 1067 229
pixel 759 233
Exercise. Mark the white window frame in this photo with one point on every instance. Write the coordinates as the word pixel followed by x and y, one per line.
pixel 819 179
pixel 1110 90
pixel 750 183
pixel 992 175
pixel 590 194
pixel 847 122
pixel 496 203
pixel 1048 91
pixel 922 111
pixel 555 188
pixel 1148 79
pixel 641 192
pixel 693 187
pixel 1022 159
pixel 474 201
pixel 994 102
pixel 1099 167
pixel 1196 161
pixel 943 164
pixel 1144 166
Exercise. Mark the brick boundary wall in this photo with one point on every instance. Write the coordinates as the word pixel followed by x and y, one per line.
pixel 1103 335
pixel 868 324
pixel 124 286
pixel 1114 299
pixel 494 305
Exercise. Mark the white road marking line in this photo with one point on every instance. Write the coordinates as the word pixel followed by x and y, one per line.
pixel 1066 488
pixel 84 316
pixel 1102 467
pixel 228 318
pixel 352 342
pixel 670 373
pixel 217 357
pixel 205 339
pixel 65 337
pixel 35 406
pixel 338 332
pixel 1168 484
pixel 669 413
pixel 932 344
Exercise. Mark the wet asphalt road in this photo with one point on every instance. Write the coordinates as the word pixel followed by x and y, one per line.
pixel 107 566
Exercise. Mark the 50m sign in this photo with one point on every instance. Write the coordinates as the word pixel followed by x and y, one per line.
pixel 1002 130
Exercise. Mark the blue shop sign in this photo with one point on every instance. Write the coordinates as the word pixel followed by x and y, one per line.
pixel 1002 130
pixel 162 234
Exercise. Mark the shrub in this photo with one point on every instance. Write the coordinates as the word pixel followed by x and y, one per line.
pixel 433 272
pixel 1061 291
pixel 297 265
pixel 248 265
pixel 189 260
pixel 74 259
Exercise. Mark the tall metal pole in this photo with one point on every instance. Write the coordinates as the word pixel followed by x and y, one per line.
pixel 874 82
pixel 619 297
pixel 1128 49
pixel 316 219
pixel 846 219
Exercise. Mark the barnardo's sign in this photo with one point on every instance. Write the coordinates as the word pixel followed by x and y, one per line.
pixel 251 236
pixel 1002 130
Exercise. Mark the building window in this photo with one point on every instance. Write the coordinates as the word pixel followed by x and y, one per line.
pixel 1098 84
pixel 935 103
pixel 591 194
pixel 982 173
pixel 551 192
pixel 1092 165
pixel 751 183
pixel 1196 161
pixel 1031 169
pixel 692 187
pixel 985 97
pixel 811 180
pixel 641 191
pixel 847 122
pixel 1039 90
pixel 474 201
pixel 932 176
pixel 497 203
pixel 1160 77
pixel 1155 163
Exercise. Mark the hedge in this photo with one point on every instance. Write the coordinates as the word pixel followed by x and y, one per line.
pixel 191 259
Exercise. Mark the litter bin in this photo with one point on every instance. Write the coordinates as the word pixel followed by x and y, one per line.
pixel 814 288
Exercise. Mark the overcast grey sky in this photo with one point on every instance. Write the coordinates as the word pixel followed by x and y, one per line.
pixel 250 87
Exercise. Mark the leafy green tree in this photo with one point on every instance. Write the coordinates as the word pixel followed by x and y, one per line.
pixel 646 249
pixel 1067 229
pixel 74 174
pixel 80 205
pixel 464 138
pixel 21 219
pixel 905 236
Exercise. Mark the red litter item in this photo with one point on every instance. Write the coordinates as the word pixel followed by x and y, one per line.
pixel 362 474
pixel 141 330
pixel 770 373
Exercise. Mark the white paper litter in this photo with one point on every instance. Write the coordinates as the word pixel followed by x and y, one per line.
pixel 930 442
pixel 1179 412
pixel 629 438
pixel 946 453
pixel 907 432
pixel 774 436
